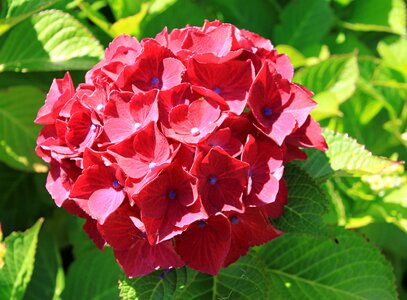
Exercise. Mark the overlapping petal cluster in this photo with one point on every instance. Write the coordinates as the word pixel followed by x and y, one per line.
pixel 173 149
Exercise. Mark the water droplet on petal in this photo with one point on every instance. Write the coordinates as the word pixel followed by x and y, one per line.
pixel 93 127
pixel 100 107
pixel 152 165
pixel 195 131
pixel 137 125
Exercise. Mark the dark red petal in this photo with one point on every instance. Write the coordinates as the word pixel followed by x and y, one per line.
pixel 205 244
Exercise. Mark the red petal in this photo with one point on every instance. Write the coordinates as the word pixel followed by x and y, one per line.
pixel 205 244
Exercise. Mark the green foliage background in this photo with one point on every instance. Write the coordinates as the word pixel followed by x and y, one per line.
pixel 346 207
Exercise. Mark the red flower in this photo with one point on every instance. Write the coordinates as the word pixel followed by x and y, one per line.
pixel 99 191
pixel 223 138
pixel 249 229
pixel 169 203
pixel 60 92
pixel 229 81
pixel 265 159
pixel 221 181
pixel 142 153
pixel 192 123
pixel 127 113
pixel 123 230
pixel 205 244
pixel 277 105
pixel 155 68
pixel 173 149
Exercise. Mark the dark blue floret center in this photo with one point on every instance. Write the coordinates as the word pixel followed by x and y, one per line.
pixel 217 90
pixel 267 111
pixel 201 224
pixel 116 184
pixel 234 220
pixel 155 81
pixel 212 180
pixel 172 195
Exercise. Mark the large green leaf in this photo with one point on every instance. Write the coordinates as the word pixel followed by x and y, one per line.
pixel 306 204
pixel 175 15
pixel 23 198
pixel 18 262
pixel 245 279
pixel 294 266
pixel 304 23
pixel 257 16
pixel 333 81
pixel 394 53
pixel 19 10
pixel 47 281
pixel 342 267
pixel 124 8
pixel 377 15
pixel 18 134
pixel 57 41
pixel 93 276
pixel 348 157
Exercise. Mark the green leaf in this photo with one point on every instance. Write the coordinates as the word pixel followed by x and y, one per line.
pixel 377 15
pixel 176 15
pixel 57 41
pixel 293 266
pixel 19 10
pixel 130 25
pixel 304 23
pixel 18 134
pixel 18 262
pixel 341 267
pixel 93 276
pixel 346 42
pixel 306 204
pixel 257 16
pixel 347 157
pixel 23 198
pixel 47 281
pixel 333 81
pixel 245 279
pixel 394 54
pixel 296 57
pixel 124 8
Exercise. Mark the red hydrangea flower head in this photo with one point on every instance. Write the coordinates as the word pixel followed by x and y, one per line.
pixel 173 149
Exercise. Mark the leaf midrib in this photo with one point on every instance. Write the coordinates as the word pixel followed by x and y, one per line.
pixel 316 284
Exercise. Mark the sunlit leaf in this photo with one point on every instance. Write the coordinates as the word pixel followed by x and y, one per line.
pixel 57 42
pixel 18 134
pixel 18 262
pixel 333 81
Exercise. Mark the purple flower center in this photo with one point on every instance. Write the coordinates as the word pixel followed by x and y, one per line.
pixel 234 220
pixel 217 90
pixel 116 184
pixel 212 180
pixel 201 224
pixel 250 173
pixel 172 195
pixel 155 81
pixel 267 111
